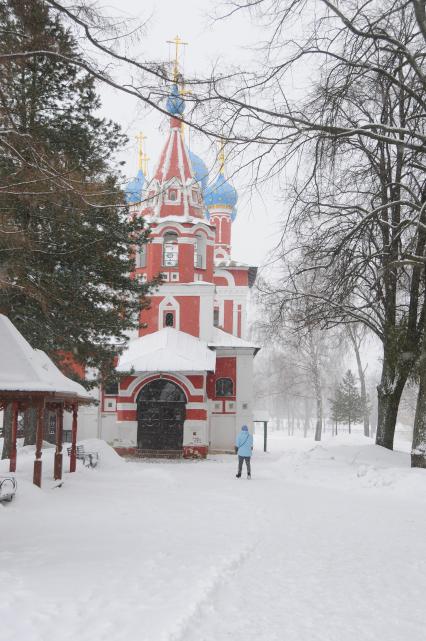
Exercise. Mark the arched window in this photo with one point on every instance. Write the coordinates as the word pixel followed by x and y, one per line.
pixel 200 251
pixel 170 249
pixel 162 391
pixel 169 319
pixel 224 387
pixel 173 195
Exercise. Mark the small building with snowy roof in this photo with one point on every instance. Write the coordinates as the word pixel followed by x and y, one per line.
pixel 29 378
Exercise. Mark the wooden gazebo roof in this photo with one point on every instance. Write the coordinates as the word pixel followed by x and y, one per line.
pixel 28 377
pixel 27 372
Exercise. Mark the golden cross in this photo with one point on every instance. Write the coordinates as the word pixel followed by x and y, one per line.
pixel 221 157
pixel 140 138
pixel 177 42
pixel 145 159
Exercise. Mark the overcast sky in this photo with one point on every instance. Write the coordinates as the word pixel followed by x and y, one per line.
pixel 209 42
pixel 257 227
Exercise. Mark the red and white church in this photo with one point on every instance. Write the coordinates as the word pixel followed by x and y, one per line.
pixel 187 377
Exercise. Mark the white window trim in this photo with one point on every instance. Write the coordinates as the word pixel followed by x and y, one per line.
pixel 195 201
pixel 164 247
pixel 165 306
pixel 173 184
pixel 203 246
pixel 141 253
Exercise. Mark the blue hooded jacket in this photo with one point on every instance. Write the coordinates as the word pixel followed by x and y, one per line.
pixel 244 442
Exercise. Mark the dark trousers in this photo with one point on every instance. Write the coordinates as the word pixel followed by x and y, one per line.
pixel 241 459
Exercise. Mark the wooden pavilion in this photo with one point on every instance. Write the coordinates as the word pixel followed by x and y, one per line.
pixel 28 378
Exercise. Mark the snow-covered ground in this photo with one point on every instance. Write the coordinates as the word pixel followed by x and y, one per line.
pixel 326 543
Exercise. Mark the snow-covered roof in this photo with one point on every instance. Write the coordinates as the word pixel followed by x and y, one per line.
pixel 168 350
pixel 223 339
pixel 230 262
pixel 24 369
pixel 176 219
pixel 199 282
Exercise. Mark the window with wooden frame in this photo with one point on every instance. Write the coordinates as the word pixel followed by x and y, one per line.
pixel 224 387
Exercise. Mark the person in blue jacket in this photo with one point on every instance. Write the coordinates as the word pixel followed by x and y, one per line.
pixel 244 448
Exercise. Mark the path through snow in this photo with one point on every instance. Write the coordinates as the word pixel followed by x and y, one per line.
pixel 324 544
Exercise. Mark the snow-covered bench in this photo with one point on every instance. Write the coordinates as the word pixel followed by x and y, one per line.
pixel 7 487
pixel 90 459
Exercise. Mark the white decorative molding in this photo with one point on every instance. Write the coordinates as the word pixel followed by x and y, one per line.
pixel 169 304
pixel 110 405
pixel 229 277
pixel 178 376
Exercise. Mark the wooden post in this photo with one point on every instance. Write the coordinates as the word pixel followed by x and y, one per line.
pixel 12 463
pixel 73 457
pixel 265 435
pixel 59 437
pixel 39 445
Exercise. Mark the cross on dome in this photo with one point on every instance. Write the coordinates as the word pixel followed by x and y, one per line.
pixel 221 194
pixel 177 42
pixel 142 157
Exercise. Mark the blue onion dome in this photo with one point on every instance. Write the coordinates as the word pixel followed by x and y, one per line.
pixel 200 170
pixel 175 104
pixel 221 192
pixel 135 188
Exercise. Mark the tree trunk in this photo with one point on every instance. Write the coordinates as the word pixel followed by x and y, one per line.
pixel 307 421
pixel 388 397
pixel 7 431
pixel 30 426
pixel 318 428
pixel 418 449
pixel 361 376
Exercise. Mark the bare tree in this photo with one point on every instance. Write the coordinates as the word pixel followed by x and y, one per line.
pixel 356 335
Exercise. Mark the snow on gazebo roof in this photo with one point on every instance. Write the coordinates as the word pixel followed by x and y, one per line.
pixel 168 350
pixel 24 369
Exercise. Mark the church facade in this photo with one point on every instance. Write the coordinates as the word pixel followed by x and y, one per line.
pixel 186 379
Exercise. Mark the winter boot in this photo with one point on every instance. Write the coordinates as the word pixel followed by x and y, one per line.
pixel 238 475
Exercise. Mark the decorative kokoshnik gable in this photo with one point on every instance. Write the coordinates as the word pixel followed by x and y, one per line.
pixel 28 378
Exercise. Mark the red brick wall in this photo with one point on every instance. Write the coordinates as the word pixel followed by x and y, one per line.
pixel 226 367
pixel 189 314
pixel 228 316
pixel 150 317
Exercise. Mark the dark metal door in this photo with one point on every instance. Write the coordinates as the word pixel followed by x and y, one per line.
pixel 161 415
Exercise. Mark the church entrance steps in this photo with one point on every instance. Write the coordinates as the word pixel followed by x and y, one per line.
pixel 188 452
pixel 134 452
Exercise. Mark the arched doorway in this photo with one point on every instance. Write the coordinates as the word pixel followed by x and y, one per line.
pixel 161 408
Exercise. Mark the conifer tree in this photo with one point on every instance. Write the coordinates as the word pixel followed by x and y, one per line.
pixel 337 407
pixel 65 238
pixel 352 405
pixel 346 406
